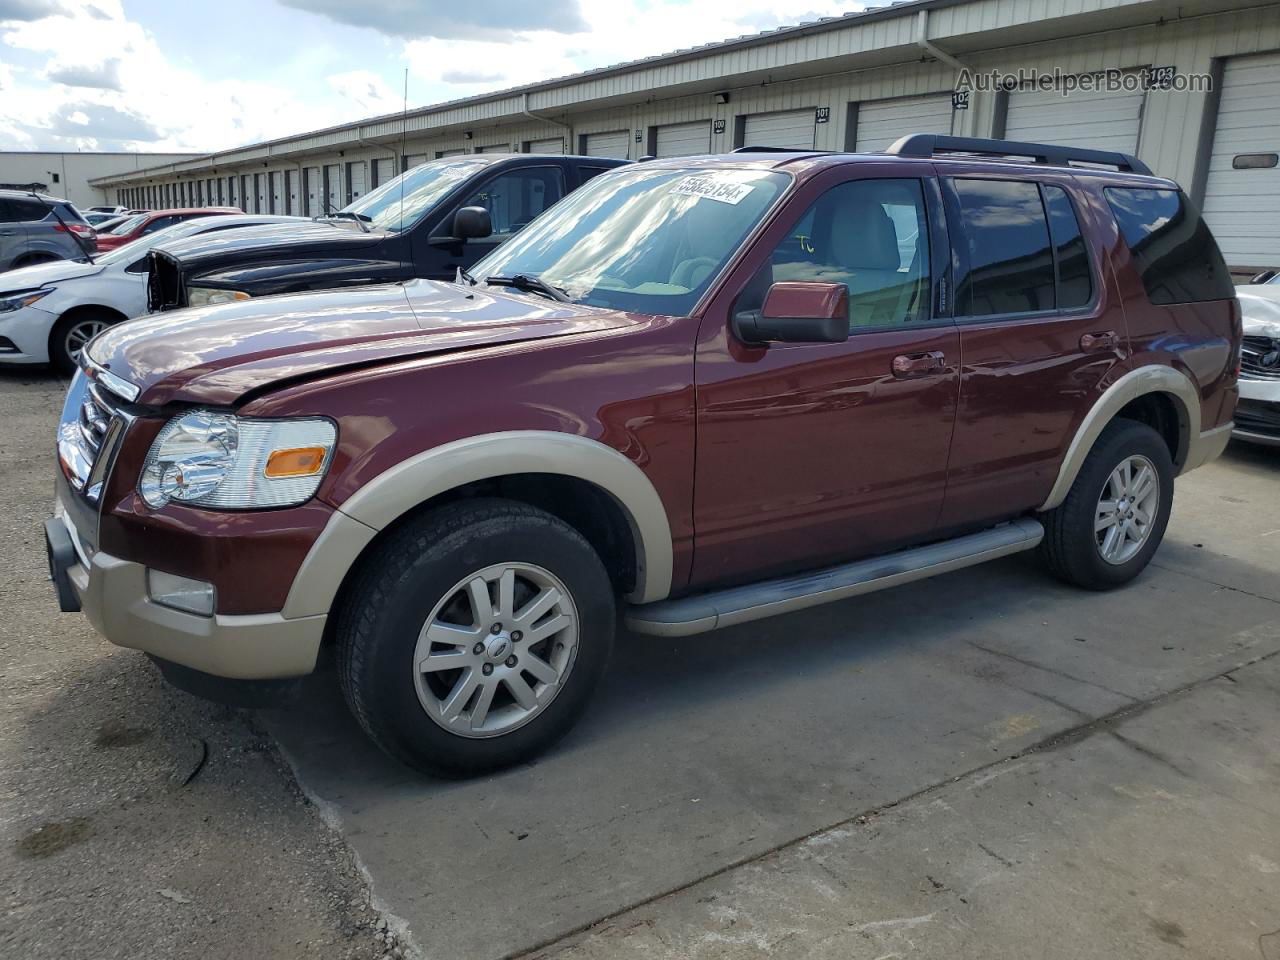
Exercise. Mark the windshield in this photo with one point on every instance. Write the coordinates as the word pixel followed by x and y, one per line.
pixel 392 208
pixel 642 239
pixel 129 225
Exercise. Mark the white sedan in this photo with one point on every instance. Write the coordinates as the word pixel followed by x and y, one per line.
pixel 1258 415
pixel 49 311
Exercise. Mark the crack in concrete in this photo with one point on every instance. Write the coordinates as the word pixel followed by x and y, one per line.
pixel 1215 583
pixel 1051 670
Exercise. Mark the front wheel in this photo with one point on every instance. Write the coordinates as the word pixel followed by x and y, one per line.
pixel 475 636
pixel 1114 517
pixel 71 334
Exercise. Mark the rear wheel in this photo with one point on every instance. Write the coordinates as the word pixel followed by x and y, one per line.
pixel 475 636
pixel 1114 517
pixel 70 336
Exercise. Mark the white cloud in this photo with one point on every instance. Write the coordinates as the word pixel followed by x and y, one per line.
pixel 153 104
pixel 364 93
pixel 616 33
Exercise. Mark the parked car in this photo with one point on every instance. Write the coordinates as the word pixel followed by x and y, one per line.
pixel 411 226
pixel 96 218
pixel 62 305
pixel 108 225
pixel 31 231
pixel 114 211
pixel 709 389
pixel 1258 416
pixel 149 221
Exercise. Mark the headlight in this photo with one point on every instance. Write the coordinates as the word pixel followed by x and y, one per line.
pixel 207 296
pixel 25 298
pixel 211 459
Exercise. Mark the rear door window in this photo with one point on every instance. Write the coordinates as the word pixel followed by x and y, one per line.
pixel 1173 251
pixel 1008 262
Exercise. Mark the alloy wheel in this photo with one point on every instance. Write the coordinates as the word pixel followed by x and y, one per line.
pixel 1127 509
pixel 496 650
pixel 79 334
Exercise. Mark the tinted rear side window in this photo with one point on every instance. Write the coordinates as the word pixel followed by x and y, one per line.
pixel 1010 260
pixel 1173 251
pixel 1075 283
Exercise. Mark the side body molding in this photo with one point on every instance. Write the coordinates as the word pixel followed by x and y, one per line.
pixel 406 485
pixel 1134 384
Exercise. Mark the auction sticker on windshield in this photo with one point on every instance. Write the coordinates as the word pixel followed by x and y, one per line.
pixel 712 188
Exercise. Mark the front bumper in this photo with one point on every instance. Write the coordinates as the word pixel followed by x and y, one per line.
pixel 113 595
pixel 1258 415
pixel 28 331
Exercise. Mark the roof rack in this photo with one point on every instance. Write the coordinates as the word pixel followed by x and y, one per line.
pixel 933 145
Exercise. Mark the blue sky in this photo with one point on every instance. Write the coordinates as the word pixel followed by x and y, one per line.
pixel 161 75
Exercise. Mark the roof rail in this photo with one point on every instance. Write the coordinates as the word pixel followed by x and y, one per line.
pixel 933 145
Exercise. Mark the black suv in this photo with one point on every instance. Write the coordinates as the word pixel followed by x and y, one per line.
pixel 428 222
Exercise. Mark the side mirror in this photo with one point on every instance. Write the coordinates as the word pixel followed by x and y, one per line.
pixel 472 223
pixel 798 312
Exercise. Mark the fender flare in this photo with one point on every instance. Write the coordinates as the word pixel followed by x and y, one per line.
pixel 396 491
pixel 1134 384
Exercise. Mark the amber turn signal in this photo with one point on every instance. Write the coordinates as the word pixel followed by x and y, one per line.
pixel 298 462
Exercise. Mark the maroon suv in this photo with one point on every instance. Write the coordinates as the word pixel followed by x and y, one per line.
pixel 704 390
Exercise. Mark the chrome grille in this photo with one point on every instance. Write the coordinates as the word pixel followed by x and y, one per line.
pixel 93 419
pixel 1260 358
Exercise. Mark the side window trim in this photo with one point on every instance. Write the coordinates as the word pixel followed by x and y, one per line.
pixel 960 254
pixel 1095 278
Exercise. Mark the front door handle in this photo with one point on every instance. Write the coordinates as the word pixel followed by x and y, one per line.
pixel 907 365
pixel 1104 342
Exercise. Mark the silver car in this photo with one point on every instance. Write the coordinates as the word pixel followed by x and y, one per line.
pixel 31 232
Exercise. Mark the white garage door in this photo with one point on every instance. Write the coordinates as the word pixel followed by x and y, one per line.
pixel 413 159
pixel 549 145
pixel 684 139
pixel 312 207
pixel 382 171
pixel 333 187
pixel 1242 207
pixel 1095 119
pixel 792 129
pixel 355 181
pixel 450 153
pixel 612 144
pixel 881 122
pixel 495 148
pixel 261 187
pixel 276 185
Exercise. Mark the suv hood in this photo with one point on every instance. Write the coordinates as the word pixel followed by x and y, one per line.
pixel 298 235
pixel 43 274
pixel 216 355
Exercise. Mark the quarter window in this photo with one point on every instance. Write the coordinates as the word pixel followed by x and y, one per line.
pixel 870 235
pixel 1173 251
pixel 515 198
pixel 1010 261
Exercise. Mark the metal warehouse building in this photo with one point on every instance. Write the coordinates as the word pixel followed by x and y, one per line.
pixel 1197 98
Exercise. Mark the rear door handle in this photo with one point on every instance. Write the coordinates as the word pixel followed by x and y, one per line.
pixel 1103 342
pixel 908 365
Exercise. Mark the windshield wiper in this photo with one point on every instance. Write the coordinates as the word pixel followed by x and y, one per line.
pixel 348 215
pixel 530 283
pixel 463 275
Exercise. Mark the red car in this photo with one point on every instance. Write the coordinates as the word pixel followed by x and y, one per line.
pixel 697 391
pixel 150 221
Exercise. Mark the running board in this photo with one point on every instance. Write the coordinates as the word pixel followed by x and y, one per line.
pixel 725 608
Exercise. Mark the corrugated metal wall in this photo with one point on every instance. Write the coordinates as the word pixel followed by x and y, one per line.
pixel 761 78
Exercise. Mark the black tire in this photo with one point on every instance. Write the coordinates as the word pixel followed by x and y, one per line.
pixel 60 355
pixel 414 570
pixel 1070 547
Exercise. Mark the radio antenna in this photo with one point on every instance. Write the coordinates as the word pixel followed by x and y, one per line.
pixel 404 132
